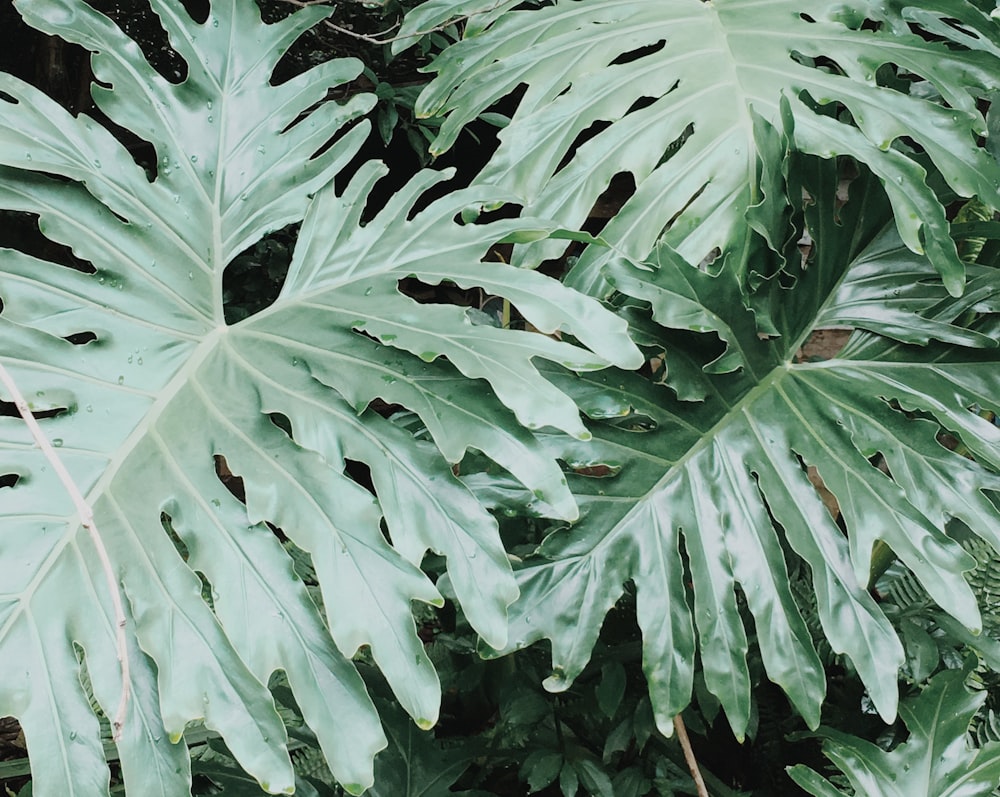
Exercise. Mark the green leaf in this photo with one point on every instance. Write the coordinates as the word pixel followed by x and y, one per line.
pixel 935 761
pixel 715 492
pixel 611 689
pixel 540 769
pixel 414 765
pixel 672 94
pixel 152 398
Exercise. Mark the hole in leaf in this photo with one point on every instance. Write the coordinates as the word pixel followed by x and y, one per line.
pixel 81 338
pixel 282 422
pixel 23 231
pixel 207 591
pixel 585 135
pixel 823 344
pixel 443 293
pixel 384 408
pixel 303 566
pixel 230 480
pixel 253 280
pixel 9 480
pixel 709 259
pixel 597 471
pixel 167 523
pixel 359 473
pixel 198 10
pixel 9 409
pixel 619 191
pixel 908 143
pixel 640 52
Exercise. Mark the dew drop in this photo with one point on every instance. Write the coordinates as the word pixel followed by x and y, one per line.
pixel 190 275
pixel 57 442
pixel 121 380
pixel 194 159
pixel 72 735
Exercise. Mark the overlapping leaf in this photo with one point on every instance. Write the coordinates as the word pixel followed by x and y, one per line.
pixel 703 501
pixel 147 393
pixel 669 91
pixel 935 761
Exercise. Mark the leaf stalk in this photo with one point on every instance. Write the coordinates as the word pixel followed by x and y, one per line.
pixel 87 520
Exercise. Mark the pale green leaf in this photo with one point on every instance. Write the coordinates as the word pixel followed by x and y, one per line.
pixel 672 92
pixel 715 492
pixel 154 401
pixel 935 761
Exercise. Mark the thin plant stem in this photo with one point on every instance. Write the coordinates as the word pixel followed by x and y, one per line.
pixel 375 39
pixel 692 762
pixel 87 520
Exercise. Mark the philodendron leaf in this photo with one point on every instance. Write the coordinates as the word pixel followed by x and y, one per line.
pixel 151 397
pixel 668 91
pixel 699 503
pixel 415 765
pixel 935 761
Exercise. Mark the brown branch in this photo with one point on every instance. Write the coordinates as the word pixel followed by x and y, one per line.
pixel 373 40
pixel 692 762
pixel 87 520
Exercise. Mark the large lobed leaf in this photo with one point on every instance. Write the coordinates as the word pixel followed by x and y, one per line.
pixel 935 761
pixel 670 92
pixel 147 393
pixel 702 501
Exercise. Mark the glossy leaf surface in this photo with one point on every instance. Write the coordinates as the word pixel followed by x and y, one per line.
pixel 935 761
pixel 671 92
pixel 152 399
pixel 700 503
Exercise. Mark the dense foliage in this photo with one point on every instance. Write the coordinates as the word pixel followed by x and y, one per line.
pixel 519 473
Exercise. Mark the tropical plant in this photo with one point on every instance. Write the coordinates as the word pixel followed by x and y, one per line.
pixel 934 760
pixel 272 388
pixel 711 479
pixel 674 94
pixel 153 400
